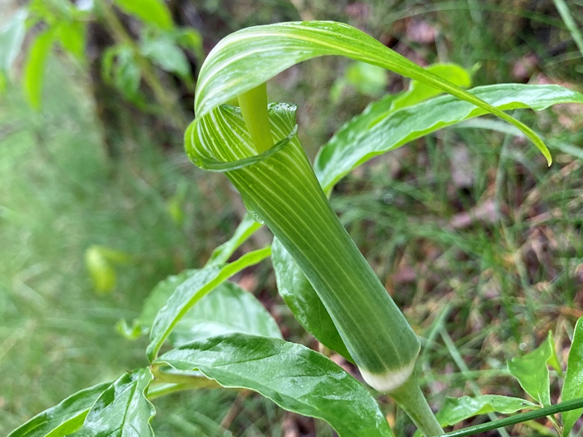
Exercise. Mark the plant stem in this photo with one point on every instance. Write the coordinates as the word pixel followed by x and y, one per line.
pixel 410 398
pixel 518 418
pixel 253 105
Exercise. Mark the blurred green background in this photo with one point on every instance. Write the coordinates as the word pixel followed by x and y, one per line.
pixel 474 237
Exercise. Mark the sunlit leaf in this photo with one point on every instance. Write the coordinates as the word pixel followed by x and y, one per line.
pixel 100 269
pixel 304 303
pixel 573 386
pixel 245 229
pixel 293 376
pixel 122 410
pixel 64 418
pixel 380 129
pixel 153 12
pixel 455 410
pixel 72 37
pixel 532 371
pixel 35 66
pixel 191 291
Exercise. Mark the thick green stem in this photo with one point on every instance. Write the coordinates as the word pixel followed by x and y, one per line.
pixel 253 105
pixel 410 398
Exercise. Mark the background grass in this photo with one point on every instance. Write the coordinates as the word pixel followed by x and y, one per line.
pixel 473 236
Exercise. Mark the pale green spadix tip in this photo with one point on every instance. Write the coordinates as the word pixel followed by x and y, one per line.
pixel 253 105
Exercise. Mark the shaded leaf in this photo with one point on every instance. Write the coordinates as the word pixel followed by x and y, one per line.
pixel 455 410
pixel 532 371
pixel 163 52
pixel 293 376
pixel 381 129
pixel 302 300
pixel 153 12
pixel 226 309
pixel 573 386
pixel 64 418
pixel 35 65
pixel 120 68
pixel 191 291
pixel 122 410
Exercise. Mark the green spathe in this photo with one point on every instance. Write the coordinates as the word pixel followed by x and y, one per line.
pixel 281 189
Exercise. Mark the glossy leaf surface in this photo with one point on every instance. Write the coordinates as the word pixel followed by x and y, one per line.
pixel 122 410
pixel 152 12
pixel 532 371
pixel 64 418
pixel 247 58
pixel 303 301
pixel 293 376
pixel 191 291
pixel 380 128
pixel 573 386
pixel 455 410
pixel 226 309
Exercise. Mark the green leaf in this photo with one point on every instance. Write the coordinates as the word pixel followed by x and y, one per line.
pixel 153 12
pixel 72 37
pixel 100 270
pixel 163 52
pixel 293 376
pixel 419 91
pixel 380 129
pixel 303 301
pixel 532 371
pixel 64 418
pixel 120 68
pixel 247 58
pixel 245 229
pixel 573 386
pixel 455 410
pixel 226 309
pixel 35 65
pixel 122 410
pixel 11 37
pixel 367 79
pixel 191 40
pixel 191 291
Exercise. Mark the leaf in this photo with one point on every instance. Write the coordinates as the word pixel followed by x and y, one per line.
pixel 64 418
pixel 226 309
pixel 120 68
pixel 367 79
pixel 532 371
pixel 246 228
pixel 293 376
pixel 573 386
pixel 100 269
pixel 191 291
pixel 191 40
pixel 72 37
pixel 455 410
pixel 419 91
pixel 247 58
pixel 380 129
pixel 302 300
pixel 34 67
pixel 11 37
pixel 153 12
pixel 122 410
pixel 163 52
